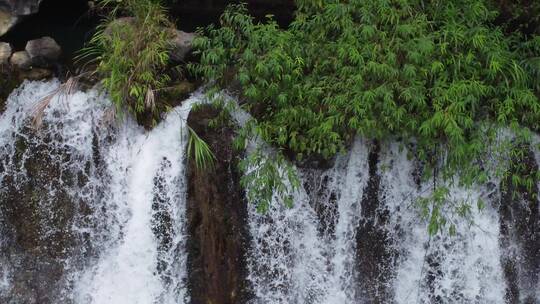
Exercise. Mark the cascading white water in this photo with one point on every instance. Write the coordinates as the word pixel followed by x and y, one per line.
pixel 292 263
pixel 147 166
pixel 285 261
pixel 443 269
pixel 108 203
pixel 133 194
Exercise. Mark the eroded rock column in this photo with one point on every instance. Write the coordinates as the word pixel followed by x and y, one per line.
pixel 217 213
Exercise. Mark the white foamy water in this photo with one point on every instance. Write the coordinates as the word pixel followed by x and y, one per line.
pixel 292 263
pixel 129 273
pixel 290 260
pixel 443 269
pixel 135 183
pixel 126 242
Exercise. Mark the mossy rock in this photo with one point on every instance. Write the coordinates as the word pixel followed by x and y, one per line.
pixel 177 93
pixel 168 98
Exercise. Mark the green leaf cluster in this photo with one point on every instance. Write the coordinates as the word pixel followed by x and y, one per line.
pixel 267 178
pixel 131 53
pixel 437 74
pixel 199 151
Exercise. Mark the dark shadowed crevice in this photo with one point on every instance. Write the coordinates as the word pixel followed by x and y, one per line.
pixel 67 21
pixel 375 254
pixel 216 220
pixel 520 235
pixel 191 14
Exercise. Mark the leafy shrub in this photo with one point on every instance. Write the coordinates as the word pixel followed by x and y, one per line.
pixel 132 53
pixel 436 74
pixel 199 151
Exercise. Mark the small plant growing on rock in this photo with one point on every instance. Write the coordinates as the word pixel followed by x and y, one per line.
pixel 200 152
pixel 132 53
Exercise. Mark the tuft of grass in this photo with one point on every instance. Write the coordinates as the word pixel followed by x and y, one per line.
pixel 131 53
pixel 200 152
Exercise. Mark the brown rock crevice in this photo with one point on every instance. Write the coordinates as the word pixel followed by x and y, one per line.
pixel 37 214
pixel 520 234
pixel 217 214
pixel 375 253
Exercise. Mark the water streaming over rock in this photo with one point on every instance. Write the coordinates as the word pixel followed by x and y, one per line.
pixel 330 249
pixel 111 198
pixel 94 212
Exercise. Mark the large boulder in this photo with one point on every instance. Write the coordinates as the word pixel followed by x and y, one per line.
pixel 5 53
pixel 43 52
pixel 11 12
pixel 21 60
pixel 181 45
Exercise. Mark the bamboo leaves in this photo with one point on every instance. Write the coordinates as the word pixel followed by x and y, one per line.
pixel 432 72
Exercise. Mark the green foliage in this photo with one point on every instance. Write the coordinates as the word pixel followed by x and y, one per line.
pixel 132 53
pixel 268 178
pixel 523 15
pixel 435 73
pixel 200 152
pixel 441 211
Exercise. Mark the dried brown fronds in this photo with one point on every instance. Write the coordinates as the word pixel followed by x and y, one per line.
pixel 63 92
pixel 150 100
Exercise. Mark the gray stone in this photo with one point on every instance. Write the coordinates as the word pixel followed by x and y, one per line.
pixel 117 24
pixel 181 45
pixel 12 11
pixel 21 60
pixel 43 52
pixel 5 52
pixel 7 21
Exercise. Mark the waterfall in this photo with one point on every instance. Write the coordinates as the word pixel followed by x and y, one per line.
pixel 124 235
pixel 93 211
pixel 442 269
pixel 294 260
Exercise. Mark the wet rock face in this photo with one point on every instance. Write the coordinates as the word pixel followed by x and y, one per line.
pixel 217 213
pixel 40 205
pixel 375 254
pixel 323 201
pixel 37 240
pixel 8 82
pixel 520 236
